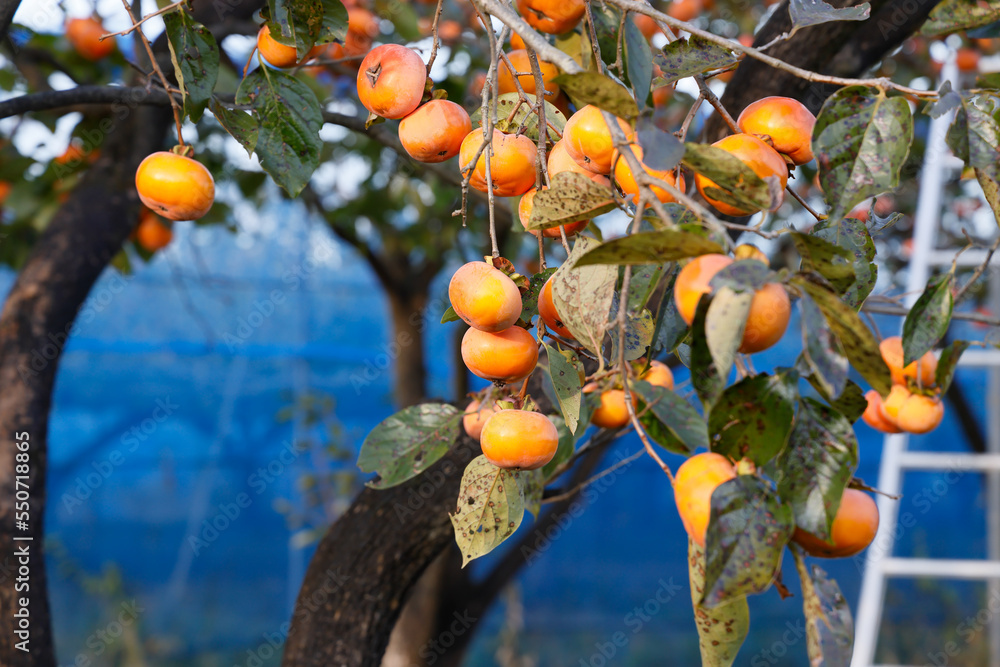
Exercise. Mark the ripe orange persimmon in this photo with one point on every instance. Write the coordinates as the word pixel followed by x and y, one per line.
pixel 626 179
pixel 647 25
pixel 174 186
pixel 559 161
pixel 696 480
pixel 504 356
pixel 685 10
pixel 921 371
pixel 967 59
pixel 5 189
pixel 484 297
pixel 770 309
pixel 786 121
pixel 659 375
pixel 547 311
pixel 748 251
pixel 521 63
pixel 612 412
pixel 516 42
pixel 874 415
pixel 362 29
pixel 552 16
pixel 475 416
pixel 761 158
pixel 512 166
pixel 853 529
pixel 85 36
pixel 435 131
pixel 391 81
pixel 519 439
pixel 75 153
pixel 281 55
pixel 151 233
pixel 587 139
pixel 920 414
pixel 526 205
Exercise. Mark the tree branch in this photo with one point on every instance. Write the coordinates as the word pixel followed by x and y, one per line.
pixel 7 10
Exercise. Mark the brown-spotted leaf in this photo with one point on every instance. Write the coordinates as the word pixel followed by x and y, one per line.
pixel 753 418
pixel 490 508
pixel 569 198
pixel 583 295
pixel 721 629
pixel 405 444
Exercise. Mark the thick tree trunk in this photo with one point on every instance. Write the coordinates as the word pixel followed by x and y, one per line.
pixel 36 320
pixel 840 48
pixel 406 350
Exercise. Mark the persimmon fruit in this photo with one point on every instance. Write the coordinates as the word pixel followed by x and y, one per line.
pixel 627 182
pixel 512 165
pixel 874 415
pixel 552 16
pixel 756 154
pixel 695 482
pixel 282 55
pixel 391 81
pixel 151 233
pixel 475 417
pixel 659 374
pixel 612 411
pixel 519 439
pixel 587 139
pixel 854 528
pixel 547 311
pixel 500 357
pixel 175 186
pixel 787 121
pixel 521 63
pixel 484 297
pixel 921 371
pixel 84 34
pixel 434 131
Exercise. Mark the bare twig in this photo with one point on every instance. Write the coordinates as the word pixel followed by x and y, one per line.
pixel 172 6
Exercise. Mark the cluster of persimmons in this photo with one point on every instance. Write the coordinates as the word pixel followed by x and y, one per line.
pixel 914 403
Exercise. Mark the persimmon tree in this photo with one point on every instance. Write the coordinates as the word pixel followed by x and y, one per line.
pixel 582 121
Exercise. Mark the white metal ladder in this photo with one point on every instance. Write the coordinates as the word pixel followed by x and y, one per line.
pixel 880 563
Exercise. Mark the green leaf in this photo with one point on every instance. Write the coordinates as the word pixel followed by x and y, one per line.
pixel 744 275
pixel 601 91
pixel 854 237
pixel 570 197
pixel 851 403
pixel 407 443
pixel 829 626
pixel 974 136
pixel 956 15
pixel 857 341
pixel 513 116
pixel 639 328
pixel 753 418
pixel 644 281
pixel 928 319
pixel 650 248
pixel 333 27
pixel 529 300
pixel 296 23
pixel 533 482
pixel 861 140
pixel 289 119
pixel 564 450
pixel 564 369
pixel 736 183
pixel 241 125
pixel 681 429
pixel 721 629
pixel 671 329
pixel 817 464
pixel 825 258
pixel 490 508
pixel 638 61
pixel 948 363
pixel 813 12
pixel 450 316
pixel 195 56
pixel 724 324
pixel 822 350
pixel 582 296
pixel 705 376
pixel 747 533
pixel 689 56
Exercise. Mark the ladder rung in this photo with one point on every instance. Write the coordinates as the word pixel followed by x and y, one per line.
pixel 911 460
pixel 969 258
pixel 980 358
pixel 940 568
